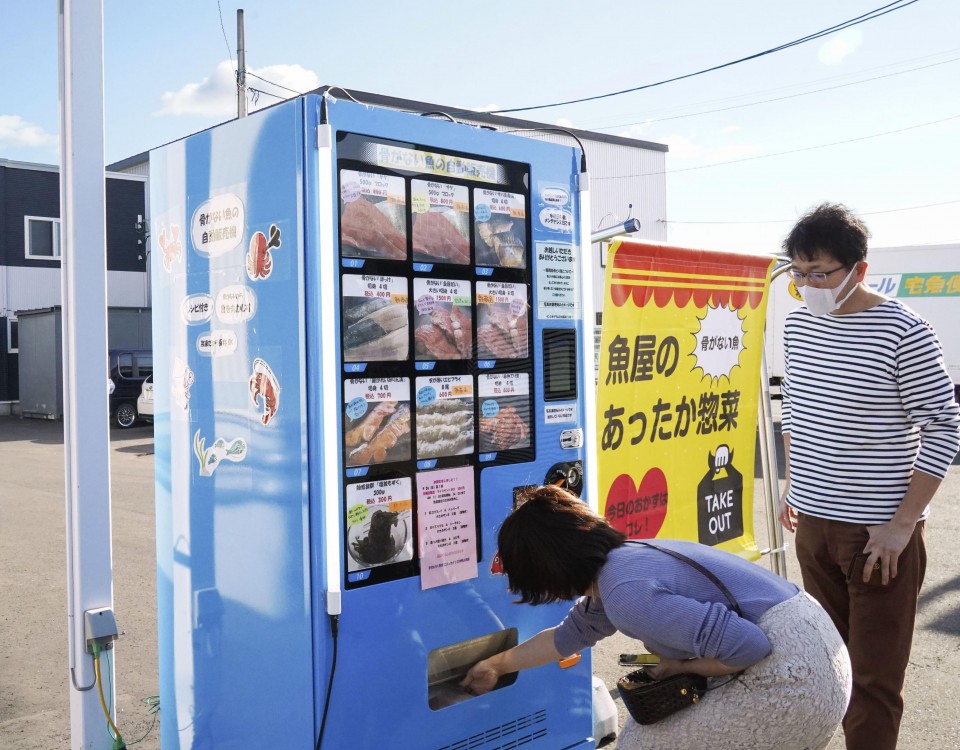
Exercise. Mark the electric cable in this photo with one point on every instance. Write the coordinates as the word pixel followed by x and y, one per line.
pixel 786 221
pixel 775 99
pixel 118 743
pixel 780 153
pixel 562 131
pixel 869 16
pixel 229 51
pixel 334 631
pixel 278 85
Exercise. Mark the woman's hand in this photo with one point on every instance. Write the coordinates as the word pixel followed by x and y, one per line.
pixel 481 678
pixel 668 668
pixel 704 667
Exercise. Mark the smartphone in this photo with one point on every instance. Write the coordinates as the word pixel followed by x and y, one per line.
pixel 630 660
pixel 855 570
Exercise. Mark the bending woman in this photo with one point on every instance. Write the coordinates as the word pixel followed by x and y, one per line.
pixel 796 672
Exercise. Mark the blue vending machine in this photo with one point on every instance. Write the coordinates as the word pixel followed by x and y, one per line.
pixel 368 329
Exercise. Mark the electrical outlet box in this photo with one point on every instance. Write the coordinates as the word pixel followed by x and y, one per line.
pixel 100 627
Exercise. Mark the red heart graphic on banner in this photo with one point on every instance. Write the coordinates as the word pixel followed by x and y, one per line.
pixel 638 512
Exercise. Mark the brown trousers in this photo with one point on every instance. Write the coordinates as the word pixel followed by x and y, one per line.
pixel 876 622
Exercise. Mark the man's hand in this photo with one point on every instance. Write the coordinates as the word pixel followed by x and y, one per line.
pixel 786 514
pixel 887 541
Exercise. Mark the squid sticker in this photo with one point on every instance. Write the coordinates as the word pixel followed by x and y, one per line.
pixel 220 451
pixel 259 257
pixel 172 249
pixel 264 388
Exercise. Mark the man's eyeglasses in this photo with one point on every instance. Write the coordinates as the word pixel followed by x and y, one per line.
pixel 814 276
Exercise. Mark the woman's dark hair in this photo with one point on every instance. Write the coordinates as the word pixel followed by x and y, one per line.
pixel 553 546
pixel 830 229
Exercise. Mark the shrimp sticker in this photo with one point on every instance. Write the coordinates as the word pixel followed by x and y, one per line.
pixel 265 390
pixel 171 248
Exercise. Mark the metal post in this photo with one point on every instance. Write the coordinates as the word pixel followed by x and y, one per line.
pixel 241 68
pixel 84 288
pixel 768 460
pixel 588 357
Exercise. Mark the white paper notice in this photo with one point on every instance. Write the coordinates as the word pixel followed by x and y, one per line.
pixel 446 518
pixel 558 281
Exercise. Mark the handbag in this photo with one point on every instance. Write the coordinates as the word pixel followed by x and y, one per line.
pixel 649 700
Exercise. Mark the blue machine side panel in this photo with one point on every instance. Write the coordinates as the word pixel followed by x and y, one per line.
pixel 235 636
pixel 394 615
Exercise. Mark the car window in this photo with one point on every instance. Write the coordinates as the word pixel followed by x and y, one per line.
pixel 145 365
pixel 125 365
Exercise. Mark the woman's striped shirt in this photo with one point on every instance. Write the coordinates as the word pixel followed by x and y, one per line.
pixel 866 400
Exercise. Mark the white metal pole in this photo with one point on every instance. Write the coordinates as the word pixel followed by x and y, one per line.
pixel 84 284
pixel 588 357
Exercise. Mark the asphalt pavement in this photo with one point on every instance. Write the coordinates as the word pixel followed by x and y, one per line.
pixel 34 702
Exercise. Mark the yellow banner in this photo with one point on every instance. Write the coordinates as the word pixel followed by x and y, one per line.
pixel 678 391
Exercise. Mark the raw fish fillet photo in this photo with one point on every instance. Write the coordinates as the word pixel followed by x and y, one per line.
pixel 500 243
pixel 444 333
pixel 509 429
pixel 373 230
pixel 441 237
pixel 375 330
pixel 501 335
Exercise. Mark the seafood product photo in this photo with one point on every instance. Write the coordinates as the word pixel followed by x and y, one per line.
pixel 375 330
pixel 381 538
pixel 445 428
pixel 382 435
pixel 444 333
pixel 441 237
pixel 373 230
pixel 500 334
pixel 509 429
pixel 498 244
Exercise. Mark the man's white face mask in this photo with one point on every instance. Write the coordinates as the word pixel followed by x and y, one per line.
pixel 821 301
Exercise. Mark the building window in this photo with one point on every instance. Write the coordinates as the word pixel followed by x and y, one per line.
pixel 13 336
pixel 42 237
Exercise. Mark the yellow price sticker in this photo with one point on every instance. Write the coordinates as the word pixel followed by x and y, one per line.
pixel 461 206
pixel 518 213
pixel 461 390
pixel 485 299
pixel 398 505
pixel 398 299
pixel 419 203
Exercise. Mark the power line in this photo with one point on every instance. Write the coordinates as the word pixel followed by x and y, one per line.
pixel 776 99
pixel 778 153
pixel 786 221
pixel 225 41
pixel 869 16
pixel 285 88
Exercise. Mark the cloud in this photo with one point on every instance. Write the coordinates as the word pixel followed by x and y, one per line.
pixel 563 122
pixel 15 131
pixel 682 147
pixel 839 46
pixel 216 95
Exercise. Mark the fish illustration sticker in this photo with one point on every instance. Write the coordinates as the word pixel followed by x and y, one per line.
pixel 171 248
pixel 221 450
pixel 259 256
pixel 265 390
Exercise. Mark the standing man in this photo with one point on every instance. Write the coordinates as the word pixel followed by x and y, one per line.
pixel 870 427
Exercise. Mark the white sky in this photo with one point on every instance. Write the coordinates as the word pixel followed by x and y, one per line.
pixel 168 73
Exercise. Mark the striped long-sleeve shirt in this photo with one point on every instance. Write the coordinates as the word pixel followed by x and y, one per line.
pixel 866 401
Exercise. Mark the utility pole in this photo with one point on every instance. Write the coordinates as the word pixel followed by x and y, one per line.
pixel 241 68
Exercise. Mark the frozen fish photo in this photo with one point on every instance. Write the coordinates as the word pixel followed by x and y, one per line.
pixel 375 328
pixel 441 223
pixel 508 428
pixel 500 333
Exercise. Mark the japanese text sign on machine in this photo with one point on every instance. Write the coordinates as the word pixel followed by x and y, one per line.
pixel 678 389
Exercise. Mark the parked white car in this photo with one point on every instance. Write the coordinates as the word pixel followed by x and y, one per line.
pixel 145 400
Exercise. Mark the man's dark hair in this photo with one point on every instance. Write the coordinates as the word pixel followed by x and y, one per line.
pixel 553 546
pixel 830 228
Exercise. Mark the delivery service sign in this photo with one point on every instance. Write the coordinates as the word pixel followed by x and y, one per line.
pixel 677 397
